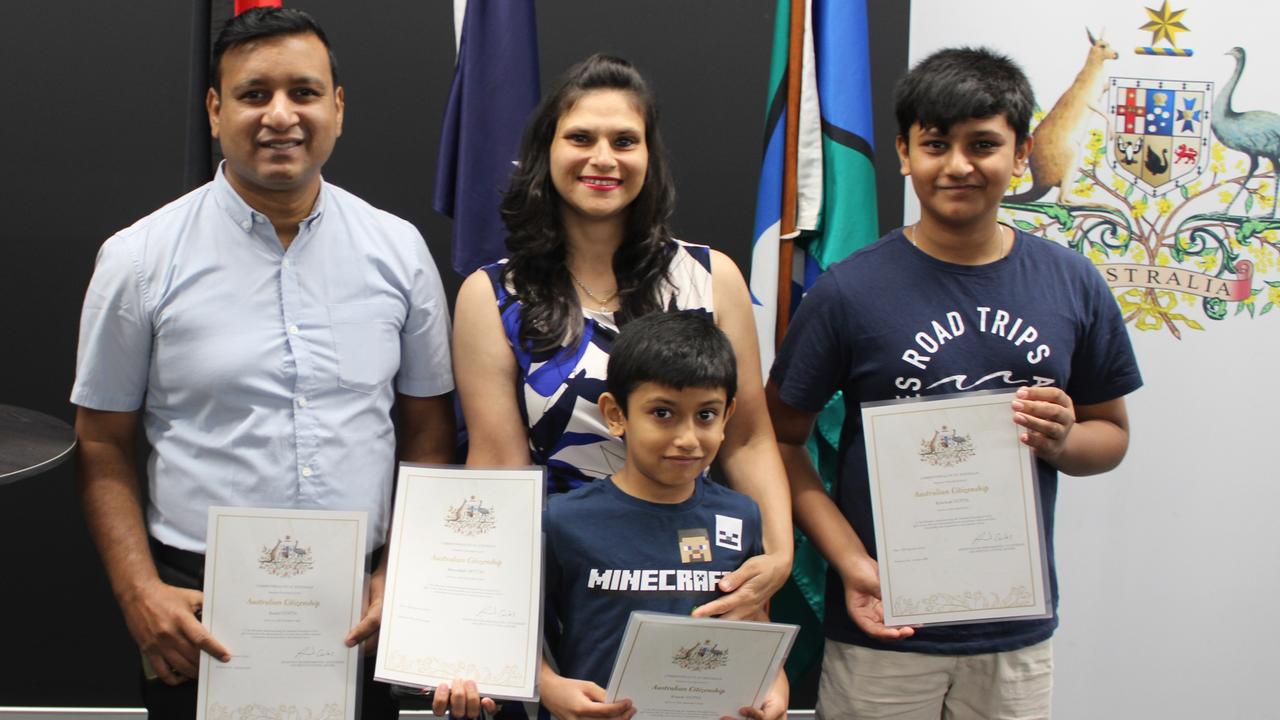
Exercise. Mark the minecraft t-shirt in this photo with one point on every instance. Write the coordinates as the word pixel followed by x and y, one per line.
pixel 609 553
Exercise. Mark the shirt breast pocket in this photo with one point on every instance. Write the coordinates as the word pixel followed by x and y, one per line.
pixel 366 341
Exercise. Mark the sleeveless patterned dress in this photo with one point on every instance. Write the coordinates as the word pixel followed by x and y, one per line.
pixel 558 389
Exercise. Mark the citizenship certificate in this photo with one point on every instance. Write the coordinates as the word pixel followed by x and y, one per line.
pixel 281 590
pixel 675 666
pixel 954 496
pixel 463 596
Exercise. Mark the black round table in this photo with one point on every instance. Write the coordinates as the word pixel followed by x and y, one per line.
pixel 31 443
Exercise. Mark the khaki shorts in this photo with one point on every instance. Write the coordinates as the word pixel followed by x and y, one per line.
pixel 860 683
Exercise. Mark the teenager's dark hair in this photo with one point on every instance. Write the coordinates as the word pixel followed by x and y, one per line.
pixel 551 314
pixel 259 24
pixel 677 349
pixel 958 84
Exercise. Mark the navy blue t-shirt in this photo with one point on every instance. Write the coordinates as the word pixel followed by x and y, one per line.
pixel 609 553
pixel 892 322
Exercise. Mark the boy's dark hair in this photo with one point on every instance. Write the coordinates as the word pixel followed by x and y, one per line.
pixel 259 24
pixel 958 84
pixel 677 349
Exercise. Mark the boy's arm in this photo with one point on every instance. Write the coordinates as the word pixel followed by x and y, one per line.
pixel 1076 439
pixel 820 519
pixel 569 699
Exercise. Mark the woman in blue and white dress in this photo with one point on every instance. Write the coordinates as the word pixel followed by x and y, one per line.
pixel 590 248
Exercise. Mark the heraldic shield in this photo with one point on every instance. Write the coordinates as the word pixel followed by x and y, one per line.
pixel 1159 132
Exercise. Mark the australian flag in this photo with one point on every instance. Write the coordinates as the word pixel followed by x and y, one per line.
pixel 495 86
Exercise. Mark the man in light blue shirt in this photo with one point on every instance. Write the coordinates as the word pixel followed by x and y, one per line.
pixel 264 327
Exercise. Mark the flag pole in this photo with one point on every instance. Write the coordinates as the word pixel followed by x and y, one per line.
pixel 786 244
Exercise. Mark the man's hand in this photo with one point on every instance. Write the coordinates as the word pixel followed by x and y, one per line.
pixel 162 620
pixel 1048 415
pixel 569 699
pixel 862 599
pixel 465 701
pixel 367 628
pixel 749 589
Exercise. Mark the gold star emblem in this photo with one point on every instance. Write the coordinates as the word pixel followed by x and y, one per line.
pixel 1164 23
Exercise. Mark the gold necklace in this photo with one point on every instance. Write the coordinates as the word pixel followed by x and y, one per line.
pixel 603 303
pixel 915 232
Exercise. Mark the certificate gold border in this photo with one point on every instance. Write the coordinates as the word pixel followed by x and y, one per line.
pixel 1028 479
pixel 355 563
pixel 411 473
pixel 638 620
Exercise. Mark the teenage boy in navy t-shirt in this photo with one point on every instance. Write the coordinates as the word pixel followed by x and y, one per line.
pixel 657 535
pixel 955 302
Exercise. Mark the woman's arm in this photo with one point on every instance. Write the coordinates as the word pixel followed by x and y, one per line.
pixel 749 455
pixel 484 369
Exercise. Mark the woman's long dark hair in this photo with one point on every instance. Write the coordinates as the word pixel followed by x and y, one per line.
pixel 550 313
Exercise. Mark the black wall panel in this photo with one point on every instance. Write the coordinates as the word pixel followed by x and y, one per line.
pixel 93 120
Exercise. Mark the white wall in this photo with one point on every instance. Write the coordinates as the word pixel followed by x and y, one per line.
pixel 1169 566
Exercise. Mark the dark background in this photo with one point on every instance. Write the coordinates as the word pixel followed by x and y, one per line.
pixel 93 135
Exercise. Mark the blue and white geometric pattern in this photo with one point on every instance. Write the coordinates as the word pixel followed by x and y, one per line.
pixel 559 389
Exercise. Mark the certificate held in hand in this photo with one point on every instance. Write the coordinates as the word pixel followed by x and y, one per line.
pixel 463 596
pixel 281 590
pixel 955 499
pixel 675 666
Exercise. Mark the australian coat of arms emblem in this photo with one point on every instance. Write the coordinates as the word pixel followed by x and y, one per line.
pixel 946 448
pixel 701 656
pixel 1160 182
pixel 286 558
pixel 470 517
pixel 1160 132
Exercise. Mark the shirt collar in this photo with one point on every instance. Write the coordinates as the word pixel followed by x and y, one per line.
pixel 243 215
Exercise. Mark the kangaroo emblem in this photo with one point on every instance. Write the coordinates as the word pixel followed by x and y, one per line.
pixel 1058 138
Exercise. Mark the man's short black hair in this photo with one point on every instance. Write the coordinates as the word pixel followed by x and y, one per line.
pixel 676 349
pixel 959 84
pixel 262 23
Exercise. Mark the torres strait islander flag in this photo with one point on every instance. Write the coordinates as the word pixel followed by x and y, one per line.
pixel 816 204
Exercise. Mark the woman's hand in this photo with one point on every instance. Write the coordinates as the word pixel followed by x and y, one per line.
pixel 748 589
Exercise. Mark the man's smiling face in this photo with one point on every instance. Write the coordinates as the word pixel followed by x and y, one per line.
pixel 277 114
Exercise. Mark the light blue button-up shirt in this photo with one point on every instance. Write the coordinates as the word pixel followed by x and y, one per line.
pixel 267 373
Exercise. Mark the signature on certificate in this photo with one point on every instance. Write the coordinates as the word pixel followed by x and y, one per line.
pixel 987 537
pixel 493 611
pixel 311 651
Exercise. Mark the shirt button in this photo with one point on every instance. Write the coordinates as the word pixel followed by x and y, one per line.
pixel 288 262
pixel 293 329
pixel 246 224
pixel 302 402
pixel 306 472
